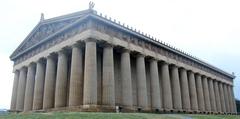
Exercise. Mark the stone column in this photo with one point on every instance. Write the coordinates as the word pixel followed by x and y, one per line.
pixel 14 91
pixel 90 74
pixel 217 96
pixel 200 96
pixel 28 102
pixel 222 97
pixel 155 89
pixel 108 94
pixel 50 80
pixel 184 90
pixel 167 92
pixel 21 89
pixel 206 94
pixel 192 91
pixel 234 101
pixel 39 86
pixel 226 98
pixel 61 80
pixel 230 99
pixel 127 98
pixel 176 90
pixel 212 95
pixel 141 82
pixel 76 77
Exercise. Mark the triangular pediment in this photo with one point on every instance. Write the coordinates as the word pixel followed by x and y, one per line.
pixel 46 28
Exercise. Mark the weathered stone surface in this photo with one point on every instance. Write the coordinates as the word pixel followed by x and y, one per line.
pixel 14 91
pixel 127 99
pixel 76 77
pixel 108 94
pixel 21 89
pixel 61 80
pixel 185 90
pixel 90 74
pixel 176 90
pixel 155 88
pixel 39 86
pixel 50 81
pixel 28 102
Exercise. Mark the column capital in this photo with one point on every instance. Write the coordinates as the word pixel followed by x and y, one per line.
pixel 62 51
pixel 140 55
pixel 77 45
pixel 153 59
pixel 31 64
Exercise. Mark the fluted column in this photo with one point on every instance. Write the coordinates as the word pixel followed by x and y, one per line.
pixel 127 98
pixel 50 80
pixel 76 77
pixel 155 89
pixel 61 80
pixel 192 91
pixel 212 95
pixel 184 90
pixel 141 82
pixel 21 89
pixel 200 96
pixel 108 95
pixel 14 91
pixel 230 99
pixel 222 97
pixel 217 96
pixel 28 102
pixel 234 101
pixel 90 74
pixel 39 85
pixel 206 94
pixel 176 90
pixel 226 98
pixel 167 92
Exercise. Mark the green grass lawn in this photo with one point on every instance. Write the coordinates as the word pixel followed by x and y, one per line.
pixel 89 115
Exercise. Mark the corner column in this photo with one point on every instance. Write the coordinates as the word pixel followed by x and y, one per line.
pixel 176 90
pixel 167 92
pixel 21 89
pixel 108 94
pixel 127 98
pixel 192 91
pixel 61 80
pixel 50 80
pixel 155 89
pixel 230 99
pixel 200 96
pixel 141 82
pixel 185 90
pixel 90 74
pixel 39 85
pixel 14 91
pixel 29 92
pixel 226 98
pixel 233 102
pixel 76 77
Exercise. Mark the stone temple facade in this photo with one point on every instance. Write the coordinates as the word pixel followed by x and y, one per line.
pixel 86 62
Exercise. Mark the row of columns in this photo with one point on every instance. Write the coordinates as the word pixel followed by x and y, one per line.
pixel 172 88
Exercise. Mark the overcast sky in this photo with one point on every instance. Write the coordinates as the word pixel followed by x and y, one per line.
pixel 207 29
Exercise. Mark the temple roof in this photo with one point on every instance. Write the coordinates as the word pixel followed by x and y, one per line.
pixel 46 28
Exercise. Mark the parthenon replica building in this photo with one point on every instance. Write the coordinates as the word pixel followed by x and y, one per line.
pixel 85 61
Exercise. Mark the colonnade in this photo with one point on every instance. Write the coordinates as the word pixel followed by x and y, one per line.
pixel 69 78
